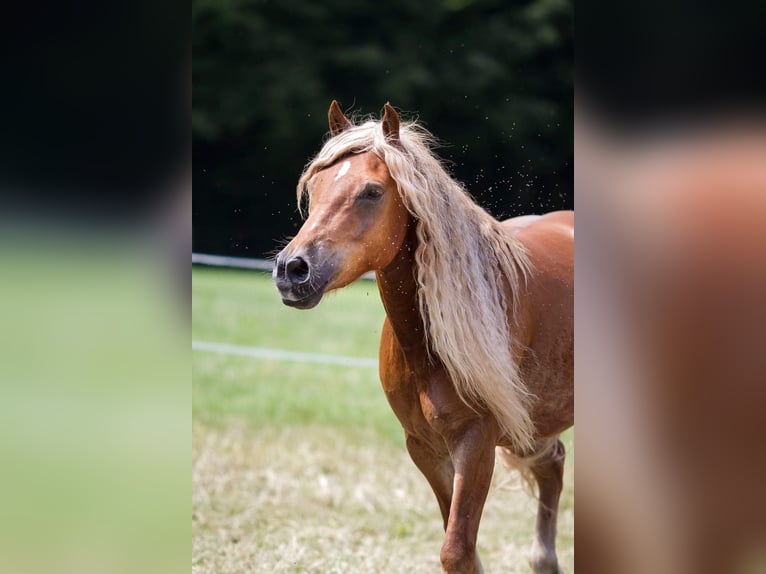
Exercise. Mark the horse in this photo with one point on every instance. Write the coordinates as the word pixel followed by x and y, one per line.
pixel 476 351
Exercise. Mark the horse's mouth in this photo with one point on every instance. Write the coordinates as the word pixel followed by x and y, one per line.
pixel 303 280
pixel 307 301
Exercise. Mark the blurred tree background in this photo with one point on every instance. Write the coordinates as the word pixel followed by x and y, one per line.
pixel 492 79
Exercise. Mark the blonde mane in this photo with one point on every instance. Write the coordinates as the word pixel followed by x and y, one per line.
pixel 466 264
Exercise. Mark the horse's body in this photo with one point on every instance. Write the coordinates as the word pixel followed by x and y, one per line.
pixel 452 426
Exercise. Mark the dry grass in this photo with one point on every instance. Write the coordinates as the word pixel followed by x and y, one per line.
pixel 318 501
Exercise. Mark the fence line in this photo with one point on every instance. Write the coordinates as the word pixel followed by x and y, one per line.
pixel 284 355
pixel 234 262
pixel 241 263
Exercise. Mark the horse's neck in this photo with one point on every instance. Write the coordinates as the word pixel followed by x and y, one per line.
pixel 399 292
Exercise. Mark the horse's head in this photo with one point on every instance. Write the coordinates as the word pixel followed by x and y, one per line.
pixel 356 223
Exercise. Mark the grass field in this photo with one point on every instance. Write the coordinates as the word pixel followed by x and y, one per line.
pixel 301 468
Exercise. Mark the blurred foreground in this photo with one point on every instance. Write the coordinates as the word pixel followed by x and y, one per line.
pixel 94 397
pixel 671 346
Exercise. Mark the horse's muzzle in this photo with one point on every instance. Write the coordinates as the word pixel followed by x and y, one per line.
pixel 300 281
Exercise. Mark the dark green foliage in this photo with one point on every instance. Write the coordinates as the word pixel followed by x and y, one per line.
pixel 492 80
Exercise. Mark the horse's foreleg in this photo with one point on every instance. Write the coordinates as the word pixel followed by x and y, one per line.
pixel 473 456
pixel 549 474
pixel 438 471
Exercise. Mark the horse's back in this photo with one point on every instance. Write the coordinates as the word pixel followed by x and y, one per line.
pixel 561 221
pixel 549 242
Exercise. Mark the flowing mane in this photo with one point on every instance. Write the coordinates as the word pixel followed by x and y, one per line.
pixel 464 307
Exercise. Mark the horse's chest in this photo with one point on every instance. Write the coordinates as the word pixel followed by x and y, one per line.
pixel 408 397
pixel 427 406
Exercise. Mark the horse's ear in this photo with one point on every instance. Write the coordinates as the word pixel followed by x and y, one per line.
pixel 390 123
pixel 338 122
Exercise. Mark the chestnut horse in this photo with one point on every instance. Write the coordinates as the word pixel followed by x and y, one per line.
pixel 477 346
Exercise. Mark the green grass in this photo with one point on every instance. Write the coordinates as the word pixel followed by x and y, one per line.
pixel 244 308
pixel 302 467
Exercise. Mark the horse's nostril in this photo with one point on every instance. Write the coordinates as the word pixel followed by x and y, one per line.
pixel 297 270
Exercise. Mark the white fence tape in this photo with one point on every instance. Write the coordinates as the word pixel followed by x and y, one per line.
pixel 242 263
pixel 283 355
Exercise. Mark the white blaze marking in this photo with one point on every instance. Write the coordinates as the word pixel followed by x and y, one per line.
pixel 343 169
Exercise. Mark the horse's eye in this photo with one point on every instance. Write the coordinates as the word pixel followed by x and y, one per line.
pixel 371 192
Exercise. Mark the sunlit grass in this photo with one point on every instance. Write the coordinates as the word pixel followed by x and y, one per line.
pixel 244 308
pixel 301 468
